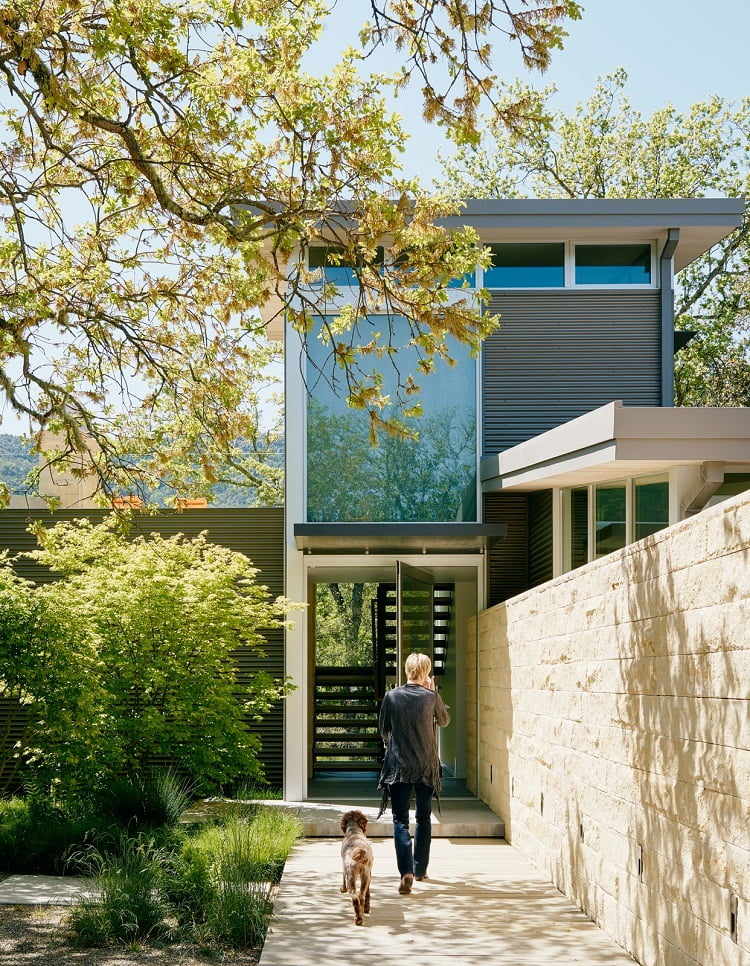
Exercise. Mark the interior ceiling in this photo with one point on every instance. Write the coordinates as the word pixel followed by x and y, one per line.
pixel 383 574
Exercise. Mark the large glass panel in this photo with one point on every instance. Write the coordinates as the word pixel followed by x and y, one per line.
pixel 610 518
pixel 651 507
pixel 576 524
pixel 415 614
pixel 430 479
pixel 526 265
pixel 613 265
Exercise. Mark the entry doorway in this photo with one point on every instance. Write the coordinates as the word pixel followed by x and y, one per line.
pixel 364 622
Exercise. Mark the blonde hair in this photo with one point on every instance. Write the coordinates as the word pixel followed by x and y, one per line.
pixel 417 667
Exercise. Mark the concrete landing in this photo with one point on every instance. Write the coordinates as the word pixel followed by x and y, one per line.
pixel 483 903
pixel 459 817
pixel 456 819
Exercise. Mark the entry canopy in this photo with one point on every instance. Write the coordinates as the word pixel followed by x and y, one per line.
pixel 397 537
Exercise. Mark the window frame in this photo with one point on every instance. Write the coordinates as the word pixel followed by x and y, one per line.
pixel 569 282
pixel 629 483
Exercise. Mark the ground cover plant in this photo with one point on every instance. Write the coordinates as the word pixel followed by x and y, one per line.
pixel 156 880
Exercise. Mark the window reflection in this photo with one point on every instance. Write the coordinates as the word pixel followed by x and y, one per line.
pixel 610 519
pixel 613 265
pixel 651 507
pixel 430 479
pixel 526 265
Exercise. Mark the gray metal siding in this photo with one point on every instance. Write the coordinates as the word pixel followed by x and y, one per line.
pixel 560 354
pixel 509 558
pixel 540 537
pixel 256 532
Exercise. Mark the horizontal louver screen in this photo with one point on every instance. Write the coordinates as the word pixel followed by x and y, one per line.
pixel 560 354
pixel 509 562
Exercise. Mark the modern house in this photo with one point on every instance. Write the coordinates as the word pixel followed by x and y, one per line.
pixel 552 540
pixel 558 445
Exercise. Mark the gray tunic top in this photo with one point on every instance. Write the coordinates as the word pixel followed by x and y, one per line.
pixel 408 716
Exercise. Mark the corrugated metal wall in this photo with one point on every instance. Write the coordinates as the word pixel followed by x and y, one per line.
pixel 560 354
pixel 257 532
pixel 540 537
pixel 509 558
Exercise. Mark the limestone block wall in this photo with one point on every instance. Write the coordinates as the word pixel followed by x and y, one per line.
pixel 609 725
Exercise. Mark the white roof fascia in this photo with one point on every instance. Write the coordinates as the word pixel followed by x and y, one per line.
pixel 615 440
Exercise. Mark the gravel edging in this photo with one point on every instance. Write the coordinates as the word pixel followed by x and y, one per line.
pixel 39 935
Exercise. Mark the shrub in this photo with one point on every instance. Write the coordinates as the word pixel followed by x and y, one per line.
pixel 158 798
pixel 127 901
pixel 128 657
pixel 209 884
pixel 38 836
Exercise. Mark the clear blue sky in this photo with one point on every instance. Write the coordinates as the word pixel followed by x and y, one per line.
pixel 678 51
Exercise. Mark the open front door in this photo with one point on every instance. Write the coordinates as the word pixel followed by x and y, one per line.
pixel 415 615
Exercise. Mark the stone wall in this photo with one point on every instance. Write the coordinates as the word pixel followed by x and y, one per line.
pixel 613 734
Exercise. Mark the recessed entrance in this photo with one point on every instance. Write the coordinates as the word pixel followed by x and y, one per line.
pixel 364 619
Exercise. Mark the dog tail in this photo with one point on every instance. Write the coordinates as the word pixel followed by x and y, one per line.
pixel 359 854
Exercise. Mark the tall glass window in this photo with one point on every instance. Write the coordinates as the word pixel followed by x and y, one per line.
pixel 613 265
pixel 430 479
pixel 526 265
pixel 651 507
pixel 611 531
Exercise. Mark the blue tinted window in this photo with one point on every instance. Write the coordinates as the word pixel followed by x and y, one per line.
pixel 613 265
pixel 337 267
pixel 468 280
pixel 526 265
pixel 429 479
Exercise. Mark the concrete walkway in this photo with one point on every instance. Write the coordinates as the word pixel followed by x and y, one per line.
pixel 483 903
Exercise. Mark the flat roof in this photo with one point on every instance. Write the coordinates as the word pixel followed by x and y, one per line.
pixel 616 441
pixel 702 222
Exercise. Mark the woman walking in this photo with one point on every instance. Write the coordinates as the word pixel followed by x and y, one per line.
pixel 408 719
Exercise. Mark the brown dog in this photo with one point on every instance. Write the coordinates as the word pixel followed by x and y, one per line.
pixel 356 855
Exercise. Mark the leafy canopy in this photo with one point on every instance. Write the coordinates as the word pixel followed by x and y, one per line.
pixel 606 149
pixel 163 165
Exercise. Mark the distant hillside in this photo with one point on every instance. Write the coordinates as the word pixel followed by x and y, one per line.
pixel 16 462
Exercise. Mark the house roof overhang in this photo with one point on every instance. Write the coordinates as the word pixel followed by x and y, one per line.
pixel 702 222
pixel 404 538
pixel 615 441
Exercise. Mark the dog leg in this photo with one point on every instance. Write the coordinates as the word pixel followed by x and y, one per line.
pixel 358 917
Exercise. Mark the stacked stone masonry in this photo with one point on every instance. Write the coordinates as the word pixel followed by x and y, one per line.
pixel 611 722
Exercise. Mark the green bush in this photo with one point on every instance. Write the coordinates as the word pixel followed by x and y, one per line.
pixel 158 798
pixel 129 658
pixel 39 837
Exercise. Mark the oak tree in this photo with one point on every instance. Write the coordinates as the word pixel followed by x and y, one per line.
pixel 164 165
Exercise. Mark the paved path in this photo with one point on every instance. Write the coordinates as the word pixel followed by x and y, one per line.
pixel 484 903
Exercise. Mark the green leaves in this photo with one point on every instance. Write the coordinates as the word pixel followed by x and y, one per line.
pixel 128 658
pixel 162 163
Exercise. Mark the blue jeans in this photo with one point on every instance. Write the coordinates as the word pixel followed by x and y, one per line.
pixel 415 862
